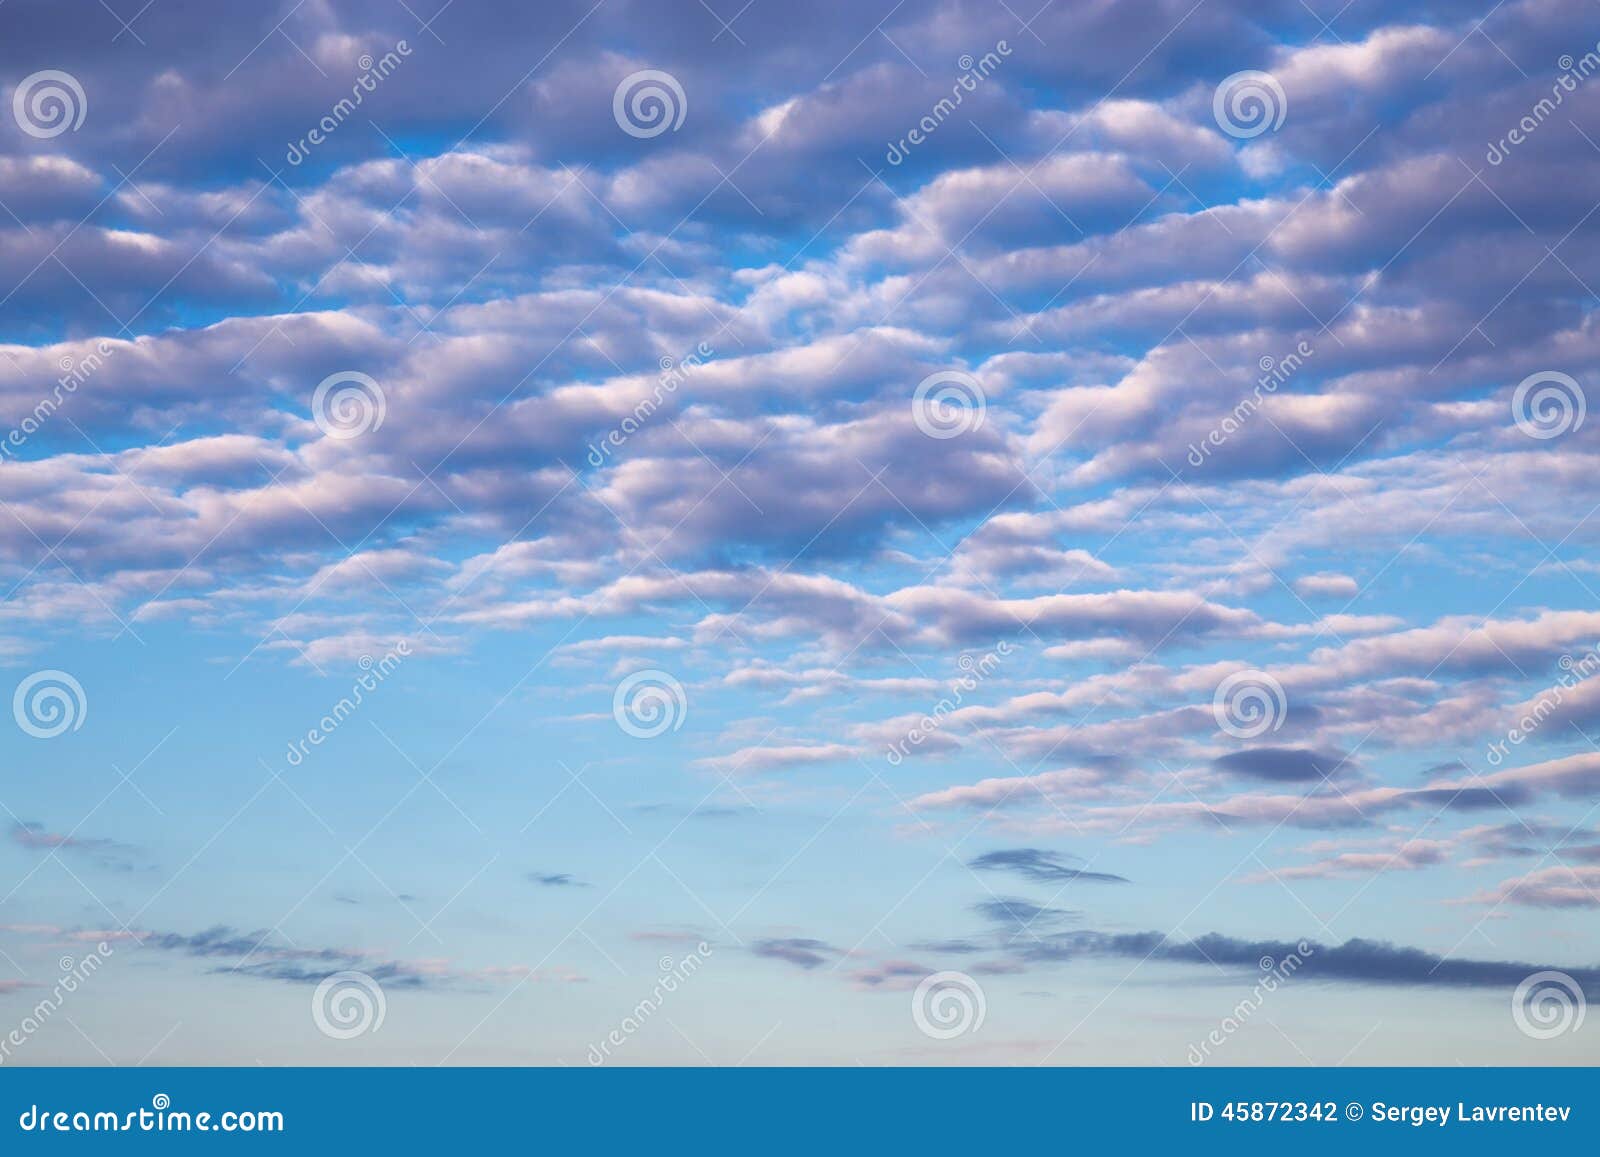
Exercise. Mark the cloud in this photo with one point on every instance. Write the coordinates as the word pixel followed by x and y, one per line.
pixel 1022 915
pixel 1039 866
pixel 556 880
pixel 949 947
pixel 1356 960
pixel 767 757
pixel 669 936
pixel 799 951
pixel 663 402
pixel 1327 585
pixel 104 853
pixel 890 976
pixel 1405 856
pixel 1281 764
pixel 1567 777
pixel 1562 886
pixel 259 954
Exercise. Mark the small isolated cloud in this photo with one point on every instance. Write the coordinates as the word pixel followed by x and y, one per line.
pixel 556 880
pixel 1039 866
pixel 1009 911
pixel 801 952
pixel 103 852
pixel 1327 585
pixel 761 758
pixel 669 936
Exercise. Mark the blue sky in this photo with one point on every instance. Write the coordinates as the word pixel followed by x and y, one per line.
pixel 942 516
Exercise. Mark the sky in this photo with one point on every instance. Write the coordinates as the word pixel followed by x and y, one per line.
pixel 938 532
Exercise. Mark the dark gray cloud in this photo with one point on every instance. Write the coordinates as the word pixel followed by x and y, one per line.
pixel 1355 960
pixel 1282 764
